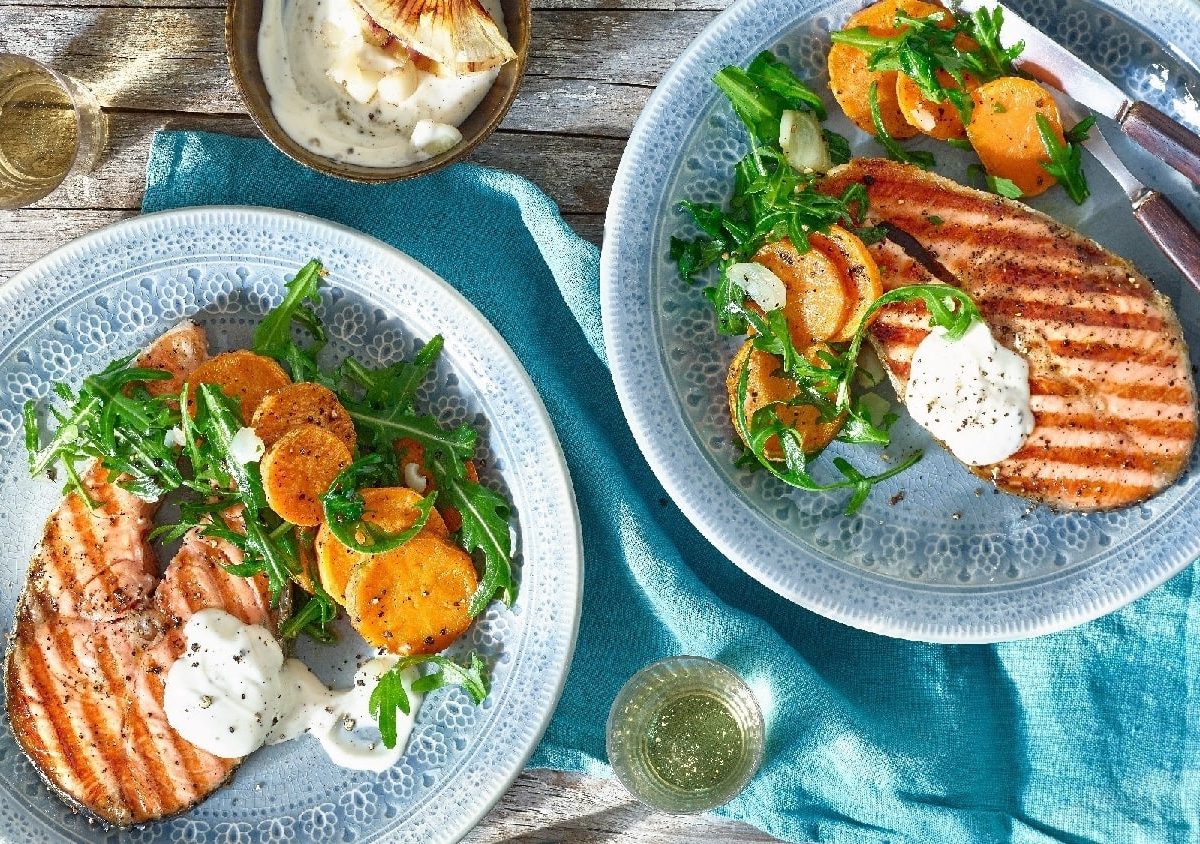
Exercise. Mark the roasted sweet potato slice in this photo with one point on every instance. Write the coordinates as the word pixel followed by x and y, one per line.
pixel 391 508
pixel 1004 132
pixel 241 375
pixel 298 470
pixel 413 599
pixel 764 386
pixel 817 295
pixel 855 264
pixel 302 404
pixel 849 79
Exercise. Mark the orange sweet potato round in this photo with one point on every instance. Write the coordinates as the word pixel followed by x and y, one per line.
pixel 241 375
pixel 391 508
pixel 298 470
pixel 1004 132
pixel 413 599
pixel 766 386
pixel 855 264
pixel 817 294
pixel 302 404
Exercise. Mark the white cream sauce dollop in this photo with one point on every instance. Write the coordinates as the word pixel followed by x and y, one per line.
pixel 971 393
pixel 339 96
pixel 231 692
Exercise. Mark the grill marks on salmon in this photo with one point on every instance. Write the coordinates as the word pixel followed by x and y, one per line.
pixel 96 632
pixel 1113 398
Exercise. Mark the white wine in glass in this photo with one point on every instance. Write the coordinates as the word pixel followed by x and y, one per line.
pixel 50 126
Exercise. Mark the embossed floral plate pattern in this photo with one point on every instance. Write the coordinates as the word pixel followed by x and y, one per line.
pixel 109 294
pixel 951 559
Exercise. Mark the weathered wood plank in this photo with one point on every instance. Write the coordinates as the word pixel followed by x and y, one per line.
pixel 30 233
pixel 173 59
pixel 550 807
pixel 577 175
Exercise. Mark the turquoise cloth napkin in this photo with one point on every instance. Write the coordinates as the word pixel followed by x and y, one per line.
pixel 1088 735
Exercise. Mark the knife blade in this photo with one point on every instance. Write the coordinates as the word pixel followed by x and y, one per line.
pixel 1049 62
pixel 1165 224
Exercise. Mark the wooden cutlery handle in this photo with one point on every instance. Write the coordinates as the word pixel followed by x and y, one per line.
pixel 1169 140
pixel 1172 232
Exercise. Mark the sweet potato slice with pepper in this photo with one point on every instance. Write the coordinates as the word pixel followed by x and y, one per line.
pixel 302 404
pixel 392 509
pixel 766 385
pixel 299 469
pixel 413 599
pixel 241 375
pixel 1004 131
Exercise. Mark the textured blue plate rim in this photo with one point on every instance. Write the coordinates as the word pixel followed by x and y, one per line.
pixel 572 553
pixel 622 250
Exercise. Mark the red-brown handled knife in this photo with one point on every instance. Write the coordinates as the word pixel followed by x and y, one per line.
pixel 1048 61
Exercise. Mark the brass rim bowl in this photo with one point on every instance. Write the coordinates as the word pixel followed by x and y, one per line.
pixel 242 19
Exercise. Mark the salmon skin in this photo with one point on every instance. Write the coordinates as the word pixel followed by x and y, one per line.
pixel 1111 386
pixel 97 629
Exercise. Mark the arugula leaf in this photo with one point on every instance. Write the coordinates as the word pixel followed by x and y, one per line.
pixel 1066 159
pixel 343 506
pixel 115 420
pixel 991 60
pixel 394 386
pixel 485 516
pixel 273 336
pixel 762 92
pixel 996 184
pixel 774 75
pixel 315 617
pixel 839 146
pixel 758 108
pixel 921 158
pixel 694 256
pixel 219 422
pixel 390 696
pixel 1078 133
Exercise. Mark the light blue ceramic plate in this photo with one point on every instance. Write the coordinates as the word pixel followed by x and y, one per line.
pixel 953 561
pixel 108 295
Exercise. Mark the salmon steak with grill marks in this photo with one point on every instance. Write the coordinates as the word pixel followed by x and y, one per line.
pixel 1112 394
pixel 97 629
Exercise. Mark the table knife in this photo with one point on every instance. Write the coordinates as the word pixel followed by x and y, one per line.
pixel 1053 64
pixel 1166 225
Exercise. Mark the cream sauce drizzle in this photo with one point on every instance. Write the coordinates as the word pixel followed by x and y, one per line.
pixel 231 692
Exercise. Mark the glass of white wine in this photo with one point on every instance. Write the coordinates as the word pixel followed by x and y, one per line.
pixel 50 127
pixel 685 735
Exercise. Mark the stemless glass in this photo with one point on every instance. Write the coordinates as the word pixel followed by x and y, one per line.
pixel 50 126
pixel 685 735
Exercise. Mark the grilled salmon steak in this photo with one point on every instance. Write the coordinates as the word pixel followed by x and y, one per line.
pixel 1111 386
pixel 96 630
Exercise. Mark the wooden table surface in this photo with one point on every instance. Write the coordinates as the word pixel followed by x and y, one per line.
pixel 161 63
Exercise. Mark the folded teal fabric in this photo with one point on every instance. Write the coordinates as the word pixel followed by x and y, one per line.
pixel 1087 735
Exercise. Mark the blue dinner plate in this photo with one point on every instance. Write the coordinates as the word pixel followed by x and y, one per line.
pixel 111 293
pixel 950 560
